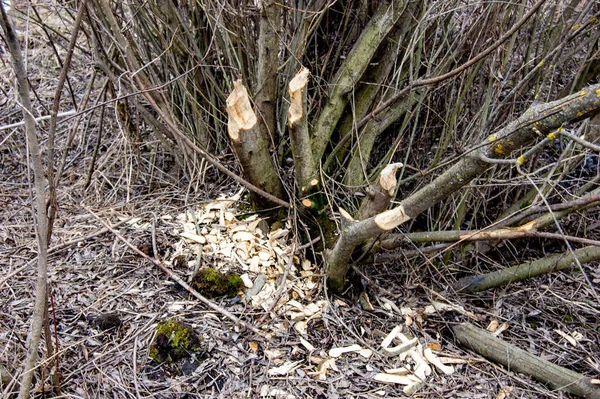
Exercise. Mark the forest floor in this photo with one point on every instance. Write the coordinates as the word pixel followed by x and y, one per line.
pixel 133 184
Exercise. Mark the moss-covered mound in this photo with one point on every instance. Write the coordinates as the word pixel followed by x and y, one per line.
pixel 173 341
pixel 210 283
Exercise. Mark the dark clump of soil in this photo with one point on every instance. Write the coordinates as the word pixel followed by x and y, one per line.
pixel 211 283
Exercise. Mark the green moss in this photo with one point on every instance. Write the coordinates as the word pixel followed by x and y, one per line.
pixel 210 283
pixel 234 281
pixel 173 341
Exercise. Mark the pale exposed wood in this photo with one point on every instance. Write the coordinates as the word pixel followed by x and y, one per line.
pixel 304 164
pixel 380 196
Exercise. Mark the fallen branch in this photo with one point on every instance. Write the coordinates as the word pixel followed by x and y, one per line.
pixel 527 270
pixel 520 361
pixel 39 119
pixel 176 278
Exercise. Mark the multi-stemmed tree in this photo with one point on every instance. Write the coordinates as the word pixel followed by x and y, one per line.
pixel 355 95
pixel 472 121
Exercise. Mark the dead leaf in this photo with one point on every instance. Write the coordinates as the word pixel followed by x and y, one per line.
pixel 493 326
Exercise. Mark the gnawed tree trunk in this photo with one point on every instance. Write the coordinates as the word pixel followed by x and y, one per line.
pixel 251 147
pixel 538 121
pixel 305 169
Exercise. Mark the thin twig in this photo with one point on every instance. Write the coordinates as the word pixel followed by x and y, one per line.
pixel 38 119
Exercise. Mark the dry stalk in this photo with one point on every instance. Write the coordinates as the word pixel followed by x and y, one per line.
pixel 42 229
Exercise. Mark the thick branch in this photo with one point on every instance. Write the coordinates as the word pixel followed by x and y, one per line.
pixel 543 119
pixel 499 231
pixel 251 147
pixel 520 361
pixel 352 70
pixel 304 164
pixel 527 270
pixel 268 62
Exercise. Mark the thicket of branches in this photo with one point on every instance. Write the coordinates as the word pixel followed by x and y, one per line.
pixel 421 84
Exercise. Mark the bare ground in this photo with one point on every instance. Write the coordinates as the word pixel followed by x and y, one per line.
pixel 93 273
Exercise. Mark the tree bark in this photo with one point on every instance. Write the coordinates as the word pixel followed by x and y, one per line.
pixel 380 195
pixel 367 95
pixel 304 164
pixel 351 71
pixel 268 62
pixel 541 119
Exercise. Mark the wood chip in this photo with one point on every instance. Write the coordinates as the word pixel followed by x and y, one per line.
pixel 284 369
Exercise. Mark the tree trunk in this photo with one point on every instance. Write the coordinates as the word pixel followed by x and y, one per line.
pixel 251 147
